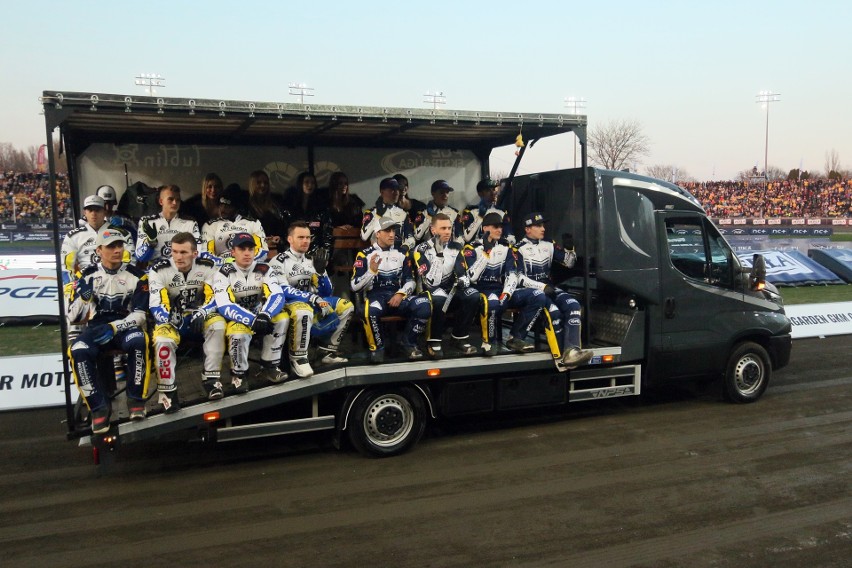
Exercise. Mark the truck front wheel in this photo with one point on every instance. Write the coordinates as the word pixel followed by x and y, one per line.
pixel 747 374
pixel 387 421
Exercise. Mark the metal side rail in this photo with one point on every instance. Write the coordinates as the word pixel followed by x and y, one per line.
pixel 190 417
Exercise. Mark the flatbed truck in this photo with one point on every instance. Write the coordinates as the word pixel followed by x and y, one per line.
pixel 665 299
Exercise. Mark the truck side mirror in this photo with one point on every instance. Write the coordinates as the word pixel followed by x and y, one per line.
pixel 758 272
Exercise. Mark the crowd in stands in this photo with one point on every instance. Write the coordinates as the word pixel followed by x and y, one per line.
pixel 780 198
pixel 31 195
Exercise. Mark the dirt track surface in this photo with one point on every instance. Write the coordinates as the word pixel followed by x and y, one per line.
pixel 674 479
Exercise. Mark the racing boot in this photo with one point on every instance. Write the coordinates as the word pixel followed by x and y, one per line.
pixel 301 367
pixel 239 383
pixel 100 420
pixel 463 345
pixel 574 357
pixel 136 409
pixel 433 349
pixel 272 373
pixel 169 400
pixel 519 345
pixel 213 388
pixel 331 355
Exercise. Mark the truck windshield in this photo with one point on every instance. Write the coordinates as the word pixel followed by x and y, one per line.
pixel 698 251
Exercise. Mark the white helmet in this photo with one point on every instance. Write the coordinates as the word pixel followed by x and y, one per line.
pixel 107 193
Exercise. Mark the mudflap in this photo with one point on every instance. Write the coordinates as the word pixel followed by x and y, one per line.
pixel 104 449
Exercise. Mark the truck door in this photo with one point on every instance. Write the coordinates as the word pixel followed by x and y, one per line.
pixel 701 308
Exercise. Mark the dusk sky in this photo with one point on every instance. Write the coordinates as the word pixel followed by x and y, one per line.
pixel 688 72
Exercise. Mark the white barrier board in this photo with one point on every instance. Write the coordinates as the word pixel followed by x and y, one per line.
pixel 818 320
pixel 32 381
pixel 28 292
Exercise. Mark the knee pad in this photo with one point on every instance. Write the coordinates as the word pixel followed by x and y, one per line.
pixel 343 307
pixel 237 328
pixel 166 332
pixel 214 322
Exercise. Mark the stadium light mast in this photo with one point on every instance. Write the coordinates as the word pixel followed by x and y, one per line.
pixel 149 81
pixel 436 98
pixel 765 98
pixel 300 90
pixel 575 104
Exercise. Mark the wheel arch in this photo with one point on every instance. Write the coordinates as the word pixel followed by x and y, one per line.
pixel 353 395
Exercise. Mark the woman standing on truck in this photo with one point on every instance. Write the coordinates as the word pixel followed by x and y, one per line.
pixel 347 209
pixel 205 205
pixel 305 201
pixel 267 208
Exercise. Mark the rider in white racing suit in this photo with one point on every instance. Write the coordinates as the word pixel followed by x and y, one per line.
pixel 323 314
pixel 182 304
pixel 156 231
pixel 112 296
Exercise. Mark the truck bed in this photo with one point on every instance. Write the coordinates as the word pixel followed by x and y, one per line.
pixel 585 383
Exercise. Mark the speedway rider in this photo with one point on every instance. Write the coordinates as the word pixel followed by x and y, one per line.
pixel 116 219
pixel 113 297
pixel 79 248
pixel 384 274
pixel 443 274
pixel 252 302
pixel 469 221
pixel 322 312
pixel 387 208
pixel 493 269
pixel 183 306
pixel 216 233
pixel 439 204
pixel 562 317
pixel 156 231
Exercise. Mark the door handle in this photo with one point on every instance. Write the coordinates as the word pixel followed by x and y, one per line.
pixel 669 307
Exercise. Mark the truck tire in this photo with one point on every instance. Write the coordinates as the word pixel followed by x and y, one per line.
pixel 747 373
pixel 387 421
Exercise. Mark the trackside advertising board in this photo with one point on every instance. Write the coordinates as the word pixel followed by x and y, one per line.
pixel 29 293
pixel 31 381
pixel 819 320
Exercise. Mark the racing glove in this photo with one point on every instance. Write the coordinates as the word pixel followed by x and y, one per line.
pixel 196 321
pixel 262 324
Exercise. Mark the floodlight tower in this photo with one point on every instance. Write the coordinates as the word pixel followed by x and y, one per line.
pixel 149 81
pixel 436 98
pixel 765 98
pixel 301 90
pixel 575 104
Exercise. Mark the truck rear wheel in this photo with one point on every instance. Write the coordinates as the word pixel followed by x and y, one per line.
pixel 747 374
pixel 387 421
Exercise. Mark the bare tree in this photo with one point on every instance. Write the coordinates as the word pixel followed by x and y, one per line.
pixel 668 172
pixel 617 144
pixel 832 162
pixel 31 154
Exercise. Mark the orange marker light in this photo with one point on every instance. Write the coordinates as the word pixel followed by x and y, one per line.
pixel 433 373
pixel 211 416
pixel 607 358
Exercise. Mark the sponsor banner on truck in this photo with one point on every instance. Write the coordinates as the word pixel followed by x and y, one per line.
pixel 820 320
pixel 32 381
